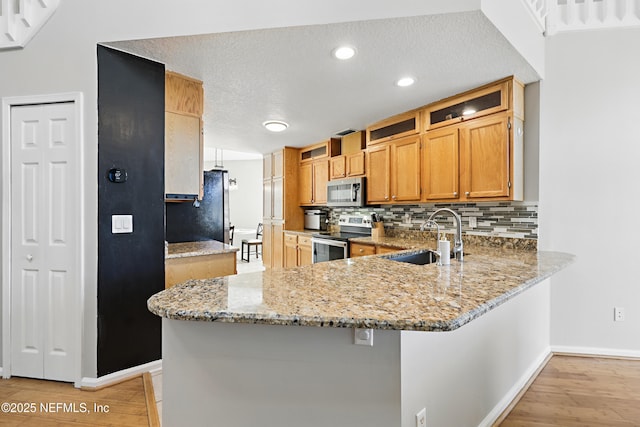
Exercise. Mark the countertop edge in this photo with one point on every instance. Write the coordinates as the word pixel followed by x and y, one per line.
pixel 426 326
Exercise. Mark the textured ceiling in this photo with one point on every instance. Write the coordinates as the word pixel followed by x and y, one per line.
pixel 289 74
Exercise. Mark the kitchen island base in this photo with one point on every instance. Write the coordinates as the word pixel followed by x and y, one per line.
pixel 239 374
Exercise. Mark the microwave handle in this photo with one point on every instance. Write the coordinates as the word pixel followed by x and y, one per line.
pixel 354 192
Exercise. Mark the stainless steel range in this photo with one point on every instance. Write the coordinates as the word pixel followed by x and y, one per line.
pixel 330 246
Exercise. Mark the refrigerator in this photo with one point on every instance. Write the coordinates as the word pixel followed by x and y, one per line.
pixel 209 221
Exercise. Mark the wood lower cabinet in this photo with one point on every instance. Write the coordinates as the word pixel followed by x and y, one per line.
pixel 394 171
pixel 363 249
pixel 386 249
pixel 273 244
pixel 178 270
pixel 297 250
pixel 305 250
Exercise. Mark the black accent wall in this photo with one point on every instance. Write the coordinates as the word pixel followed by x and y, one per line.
pixel 130 266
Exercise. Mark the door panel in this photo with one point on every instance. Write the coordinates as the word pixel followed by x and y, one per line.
pixel 44 304
pixel 440 160
pixel 378 178
pixel 486 145
pixel 405 166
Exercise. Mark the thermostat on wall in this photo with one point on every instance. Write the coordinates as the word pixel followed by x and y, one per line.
pixel 117 175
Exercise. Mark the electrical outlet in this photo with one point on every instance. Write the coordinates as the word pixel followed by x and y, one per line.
pixel 421 418
pixel 473 222
pixel 363 336
pixel 618 314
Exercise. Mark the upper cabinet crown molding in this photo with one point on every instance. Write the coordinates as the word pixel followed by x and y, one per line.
pixel 183 94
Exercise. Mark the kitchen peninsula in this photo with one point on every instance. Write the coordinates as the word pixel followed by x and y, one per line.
pixel 281 351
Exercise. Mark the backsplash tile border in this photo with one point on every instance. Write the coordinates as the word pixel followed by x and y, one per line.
pixel 518 220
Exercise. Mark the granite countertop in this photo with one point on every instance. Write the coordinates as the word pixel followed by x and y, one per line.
pixel 207 247
pixel 366 292
pixel 304 232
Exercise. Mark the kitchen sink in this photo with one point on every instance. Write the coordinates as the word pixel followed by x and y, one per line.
pixel 420 258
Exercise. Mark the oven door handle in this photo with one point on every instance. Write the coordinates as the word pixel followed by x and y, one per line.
pixel 329 242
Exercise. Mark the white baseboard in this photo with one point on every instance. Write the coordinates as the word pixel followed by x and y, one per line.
pixel 522 382
pixel 119 376
pixel 596 351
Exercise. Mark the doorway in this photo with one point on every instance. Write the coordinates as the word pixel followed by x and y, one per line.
pixel 41 245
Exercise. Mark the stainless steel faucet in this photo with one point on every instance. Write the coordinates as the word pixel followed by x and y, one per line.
pixel 432 223
pixel 458 247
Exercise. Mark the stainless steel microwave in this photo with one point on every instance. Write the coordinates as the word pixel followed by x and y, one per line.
pixel 346 192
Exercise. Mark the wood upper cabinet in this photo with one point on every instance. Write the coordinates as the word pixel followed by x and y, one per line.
pixel 183 137
pixel 496 97
pixel 395 127
pixel 347 166
pixel 338 167
pixel 355 164
pixel 486 157
pixel 405 169
pixel 440 170
pixel 394 171
pixel 378 179
pixel 474 161
pixel 312 183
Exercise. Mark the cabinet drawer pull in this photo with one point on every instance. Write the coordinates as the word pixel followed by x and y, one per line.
pixel 361 250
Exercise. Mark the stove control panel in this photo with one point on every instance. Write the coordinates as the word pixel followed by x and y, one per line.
pixel 363 221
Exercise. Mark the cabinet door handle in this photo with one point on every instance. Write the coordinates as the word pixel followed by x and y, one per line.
pixel 455 193
pixel 467 193
pixel 393 197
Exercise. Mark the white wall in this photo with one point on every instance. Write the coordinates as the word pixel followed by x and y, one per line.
pixel 589 177
pixel 467 377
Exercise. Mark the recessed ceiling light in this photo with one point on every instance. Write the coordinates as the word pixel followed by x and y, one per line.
pixel 344 52
pixel 405 81
pixel 275 125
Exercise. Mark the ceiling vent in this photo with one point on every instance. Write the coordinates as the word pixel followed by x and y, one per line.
pixel 345 132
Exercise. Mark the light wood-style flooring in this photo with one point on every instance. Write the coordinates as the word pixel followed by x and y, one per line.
pixel 125 402
pixel 581 391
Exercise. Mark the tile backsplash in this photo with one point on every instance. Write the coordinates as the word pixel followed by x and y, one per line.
pixel 501 219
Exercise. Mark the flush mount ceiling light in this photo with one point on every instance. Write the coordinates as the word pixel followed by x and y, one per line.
pixel 275 125
pixel 405 81
pixel 344 52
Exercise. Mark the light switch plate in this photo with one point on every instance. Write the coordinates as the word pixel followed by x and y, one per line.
pixel 121 224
